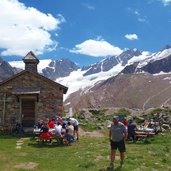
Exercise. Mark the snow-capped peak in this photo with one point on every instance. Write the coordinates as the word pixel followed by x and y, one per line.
pixel 156 56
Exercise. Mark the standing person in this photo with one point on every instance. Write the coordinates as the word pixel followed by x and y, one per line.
pixel 131 130
pixel 117 137
pixel 125 122
pixel 75 124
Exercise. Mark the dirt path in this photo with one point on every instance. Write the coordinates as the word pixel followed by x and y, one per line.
pixel 90 134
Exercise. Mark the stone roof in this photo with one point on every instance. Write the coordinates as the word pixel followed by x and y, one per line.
pixel 31 57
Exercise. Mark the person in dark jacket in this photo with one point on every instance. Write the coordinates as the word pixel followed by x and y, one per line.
pixel 131 130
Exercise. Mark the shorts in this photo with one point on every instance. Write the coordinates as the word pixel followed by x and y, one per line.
pixel 120 145
pixel 76 128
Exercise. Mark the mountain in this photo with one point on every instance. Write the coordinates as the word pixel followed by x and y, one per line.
pixel 102 66
pixel 52 69
pixel 110 62
pixel 6 70
pixel 137 85
pixel 127 55
pixel 156 63
pixel 163 62
pixel 59 68
pixel 130 79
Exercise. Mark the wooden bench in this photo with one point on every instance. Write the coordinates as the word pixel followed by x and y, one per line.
pixel 143 134
pixel 43 140
pixel 140 136
pixel 49 140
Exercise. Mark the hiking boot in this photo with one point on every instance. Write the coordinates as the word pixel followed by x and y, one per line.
pixel 121 163
pixel 111 166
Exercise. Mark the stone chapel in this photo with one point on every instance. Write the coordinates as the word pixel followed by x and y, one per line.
pixel 29 96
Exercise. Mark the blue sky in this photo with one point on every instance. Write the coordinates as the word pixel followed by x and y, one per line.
pixel 84 31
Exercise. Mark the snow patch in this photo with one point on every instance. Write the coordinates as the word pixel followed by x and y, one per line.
pixel 76 81
pixel 167 78
pixel 162 73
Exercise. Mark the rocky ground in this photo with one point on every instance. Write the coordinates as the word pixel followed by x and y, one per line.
pixel 101 118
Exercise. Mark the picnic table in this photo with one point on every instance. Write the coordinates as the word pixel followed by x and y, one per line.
pixel 143 134
pixel 39 131
pixel 60 140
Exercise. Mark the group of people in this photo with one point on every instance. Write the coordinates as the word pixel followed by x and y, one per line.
pixel 62 129
pixel 118 133
pixel 66 129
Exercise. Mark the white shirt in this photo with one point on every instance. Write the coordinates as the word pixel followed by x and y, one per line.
pixel 74 121
pixel 58 129
pixel 70 130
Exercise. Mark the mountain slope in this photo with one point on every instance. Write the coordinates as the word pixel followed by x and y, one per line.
pixel 141 91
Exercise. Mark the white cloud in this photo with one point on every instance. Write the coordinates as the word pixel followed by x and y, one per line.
pixel 142 20
pixel 136 12
pixel 96 48
pixel 139 16
pixel 166 2
pixel 90 7
pixel 131 36
pixel 25 28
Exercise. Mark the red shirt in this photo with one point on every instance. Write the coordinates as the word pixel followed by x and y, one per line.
pixel 125 122
pixel 51 124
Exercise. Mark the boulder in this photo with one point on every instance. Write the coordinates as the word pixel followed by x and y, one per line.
pixel 165 126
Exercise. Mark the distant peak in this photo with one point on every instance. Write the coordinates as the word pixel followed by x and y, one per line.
pixel 134 52
pixel 134 49
pixel 167 47
pixel 1 59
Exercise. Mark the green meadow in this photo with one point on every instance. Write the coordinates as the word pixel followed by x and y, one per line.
pixel 89 153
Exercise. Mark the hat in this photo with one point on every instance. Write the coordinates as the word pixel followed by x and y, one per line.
pixel 116 117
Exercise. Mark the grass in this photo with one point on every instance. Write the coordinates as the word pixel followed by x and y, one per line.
pixel 89 154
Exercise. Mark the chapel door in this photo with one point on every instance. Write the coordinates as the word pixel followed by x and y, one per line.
pixel 28 112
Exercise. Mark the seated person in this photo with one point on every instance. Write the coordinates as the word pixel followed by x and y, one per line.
pixel 45 133
pixel 57 131
pixel 39 124
pixel 51 124
pixel 19 128
pixel 64 136
pixel 70 132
